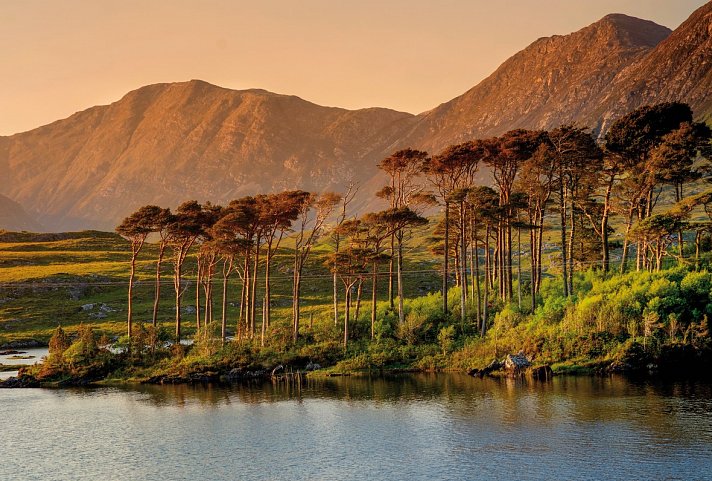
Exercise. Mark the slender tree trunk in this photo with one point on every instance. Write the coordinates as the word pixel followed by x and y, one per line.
pixel 134 254
pixel 347 312
pixel 359 291
pixel 264 317
pixel 604 225
pixel 485 304
pixel 626 242
pixel 509 283
pixel 463 267
pixel 534 259
pixel 268 296
pixel 374 298
pixel 539 248
pixel 519 267
pixel 698 236
pixel 296 300
pixel 391 277
pixel 445 258
pixel 680 240
pixel 244 297
pixel 562 218
pixel 253 295
pixel 572 236
pixel 197 299
pixel 476 255
pixel 157 295
pixel 336 293
pixel 401 313
pixel 223 323
pixel 336 302
pixel 179 293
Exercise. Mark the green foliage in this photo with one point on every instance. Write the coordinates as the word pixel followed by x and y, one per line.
pixel 58 344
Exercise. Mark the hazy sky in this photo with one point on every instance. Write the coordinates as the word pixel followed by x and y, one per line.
pixel 58 57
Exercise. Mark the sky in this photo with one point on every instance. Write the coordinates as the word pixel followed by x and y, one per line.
pixel 59 57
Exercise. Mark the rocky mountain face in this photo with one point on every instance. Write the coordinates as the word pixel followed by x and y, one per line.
pixel 14 218
pixel 678 69
pixel 171 142
pixel 166 143
pixel 551 82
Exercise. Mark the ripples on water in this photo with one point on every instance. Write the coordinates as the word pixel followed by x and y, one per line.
pixel 411 427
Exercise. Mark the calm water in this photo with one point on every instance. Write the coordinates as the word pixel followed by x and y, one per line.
pixel 413 427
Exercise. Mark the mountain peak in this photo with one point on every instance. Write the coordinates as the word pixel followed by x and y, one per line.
pixel 632 31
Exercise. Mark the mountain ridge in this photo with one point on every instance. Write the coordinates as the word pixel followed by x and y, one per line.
pixel 168 142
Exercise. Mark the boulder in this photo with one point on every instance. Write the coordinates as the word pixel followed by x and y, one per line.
pixel 516 363
pixel 312 366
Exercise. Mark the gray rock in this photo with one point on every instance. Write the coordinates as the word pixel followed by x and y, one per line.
pixel 87 307
pixel 312 366
pixel 516 362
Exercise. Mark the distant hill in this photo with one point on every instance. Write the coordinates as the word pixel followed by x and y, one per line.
pixel 14 218
pixel 166 143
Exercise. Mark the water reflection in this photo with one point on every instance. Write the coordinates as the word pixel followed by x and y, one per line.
pixel 415 427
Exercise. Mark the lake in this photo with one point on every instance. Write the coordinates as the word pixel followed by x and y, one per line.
pixel 405 427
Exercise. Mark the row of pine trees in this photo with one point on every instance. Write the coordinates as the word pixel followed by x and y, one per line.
pixel 564 180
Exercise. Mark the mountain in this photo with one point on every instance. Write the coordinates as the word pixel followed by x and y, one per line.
pixel 549 83
pixel 14 218
pixel 678 69
pixel 166 143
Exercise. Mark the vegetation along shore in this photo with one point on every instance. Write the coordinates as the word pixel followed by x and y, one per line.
pixel 533 253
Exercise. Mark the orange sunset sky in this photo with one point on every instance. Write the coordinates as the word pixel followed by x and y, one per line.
pixel 61 57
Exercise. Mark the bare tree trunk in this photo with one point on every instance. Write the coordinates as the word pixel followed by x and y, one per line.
pixel 347 312
pixel 336 301
pixel 519 267
pixel 296 314
pixel 463 267
pixel 604 225
pixel 485 304
pixel 134 254
pixel 374 295
pixel 476 257
pixel 179 293
pixel 197 299
pixel 572 235
pixel 391 277
pixel 264 316
pixel 509 283
pixel 359 291
pixel 268 294
pixel 401 313
pixel 626 242
pixel 157 295
pixel 253 296
pixel 564 258
pixel 244 298
pixel 223 324
pixel 445 258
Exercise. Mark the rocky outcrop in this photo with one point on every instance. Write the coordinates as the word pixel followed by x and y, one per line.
pixel 514 366
pixel 20 382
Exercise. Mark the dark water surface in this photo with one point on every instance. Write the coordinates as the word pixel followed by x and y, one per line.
pixel 410 427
